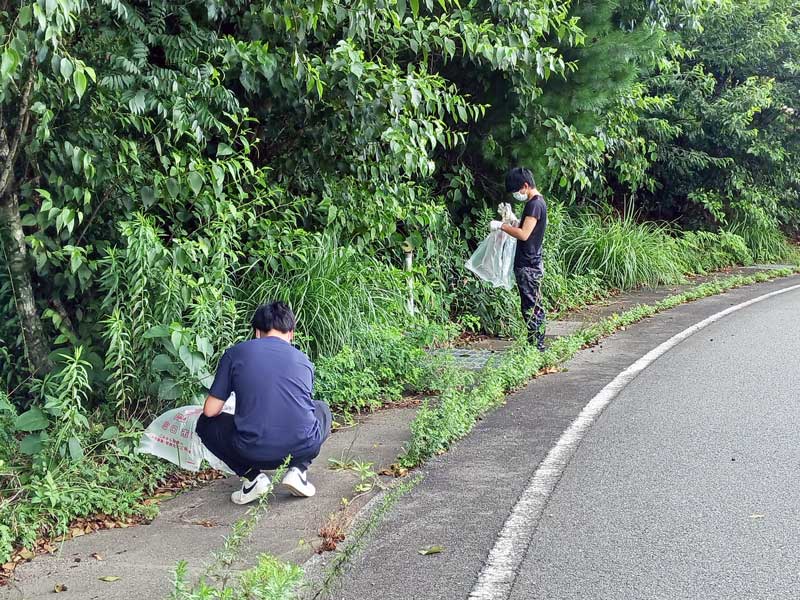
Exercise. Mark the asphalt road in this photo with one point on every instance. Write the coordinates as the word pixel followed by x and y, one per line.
pixel 685 487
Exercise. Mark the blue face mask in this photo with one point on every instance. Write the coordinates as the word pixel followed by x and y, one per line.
pixel 520 196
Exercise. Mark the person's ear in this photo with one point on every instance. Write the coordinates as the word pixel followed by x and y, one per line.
pixel 258 334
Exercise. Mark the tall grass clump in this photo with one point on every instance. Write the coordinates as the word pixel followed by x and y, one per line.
pixel 623 252
pixel 563 288
pixel 704 251
pixel 762 236
pixel 334 291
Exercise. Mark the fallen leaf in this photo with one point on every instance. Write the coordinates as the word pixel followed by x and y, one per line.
pixel 77 532
pixel 431 550
pixel 60 587
pixel 394 470
pixel 26 554
pixel 206 523
pixel 756 516
pixel 109 578
pixel 97 556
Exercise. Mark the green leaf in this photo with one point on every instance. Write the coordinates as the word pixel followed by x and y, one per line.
pixel 75 449
pixel 163 362
pixel 31 420
pixel 31 444
pixel 206 379
pixel 193 360
pixel 332 212
pixel 8 64
pixel 205 347
pixel 148 196
pixel 431 550
pixel 195 182
pixel 169 389
pixel 110 433
pixel 29 221
pixel 66 68
pixel 157 331
pixel 401 8
pixel 75 262
pixel 79 79
pixel 172 187
pixel 25 16
pixel 224 150
pixel 415 8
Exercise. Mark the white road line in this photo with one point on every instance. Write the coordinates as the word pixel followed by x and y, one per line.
pixel 497 577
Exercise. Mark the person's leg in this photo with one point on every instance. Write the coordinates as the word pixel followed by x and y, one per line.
pixel 216 433
pixel 325 418
pixel 528 292
pixel 538 316
pixel 296 478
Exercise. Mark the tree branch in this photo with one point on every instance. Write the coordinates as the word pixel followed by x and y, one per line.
pixel 22 129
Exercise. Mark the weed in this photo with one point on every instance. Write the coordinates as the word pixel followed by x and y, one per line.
pixel 464 399
pixel 269 579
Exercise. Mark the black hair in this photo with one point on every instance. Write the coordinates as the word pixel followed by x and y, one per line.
pixel 274 315
pixel 518 177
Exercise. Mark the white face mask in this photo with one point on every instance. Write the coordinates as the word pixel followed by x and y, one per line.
pixel 520 196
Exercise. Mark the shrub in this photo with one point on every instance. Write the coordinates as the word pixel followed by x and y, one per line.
pixel 386 363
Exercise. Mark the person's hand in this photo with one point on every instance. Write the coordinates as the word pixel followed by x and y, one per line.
pixel 495 225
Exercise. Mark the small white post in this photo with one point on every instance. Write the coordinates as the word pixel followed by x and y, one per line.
pixel 409 263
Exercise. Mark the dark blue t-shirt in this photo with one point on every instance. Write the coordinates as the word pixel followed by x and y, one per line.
pixel 274 414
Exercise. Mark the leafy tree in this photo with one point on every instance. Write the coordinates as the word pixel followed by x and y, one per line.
pixel 728 141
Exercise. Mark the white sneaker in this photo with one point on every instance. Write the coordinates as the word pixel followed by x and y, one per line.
pixel 298 483
pixel 252 490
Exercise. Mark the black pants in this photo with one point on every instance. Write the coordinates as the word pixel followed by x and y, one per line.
pixel 217 435
pixel 529 282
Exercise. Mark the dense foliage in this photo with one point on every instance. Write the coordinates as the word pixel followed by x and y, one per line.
pixel 166 166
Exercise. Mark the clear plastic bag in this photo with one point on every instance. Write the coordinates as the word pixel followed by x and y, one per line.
pixel 172 436
pixel 493 261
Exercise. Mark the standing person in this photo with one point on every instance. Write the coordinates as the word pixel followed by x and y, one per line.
pixel 528 266
pixel 275 416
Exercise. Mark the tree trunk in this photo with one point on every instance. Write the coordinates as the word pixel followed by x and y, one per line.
pixel 16 256
pixel 13 238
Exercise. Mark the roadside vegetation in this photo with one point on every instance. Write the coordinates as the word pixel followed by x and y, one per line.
pixel 166 167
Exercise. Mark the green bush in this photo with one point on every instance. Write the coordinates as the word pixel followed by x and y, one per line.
pixel 58 464
pixel 386 363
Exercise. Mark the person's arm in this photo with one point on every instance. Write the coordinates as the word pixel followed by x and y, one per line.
pixel 221 388
pixel 521 233
pixel 213 406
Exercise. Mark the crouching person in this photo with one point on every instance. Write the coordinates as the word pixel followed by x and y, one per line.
pixel 275 415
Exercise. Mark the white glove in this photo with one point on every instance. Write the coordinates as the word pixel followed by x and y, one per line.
pixel 507 214
pixel 495 225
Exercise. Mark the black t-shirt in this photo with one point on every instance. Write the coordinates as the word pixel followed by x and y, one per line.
pixel 529 252
pixel 275 412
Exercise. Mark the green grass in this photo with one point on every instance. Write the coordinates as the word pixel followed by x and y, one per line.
pixel 464 397
pixel 621 251
pixel 334 291
pixel 269 579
